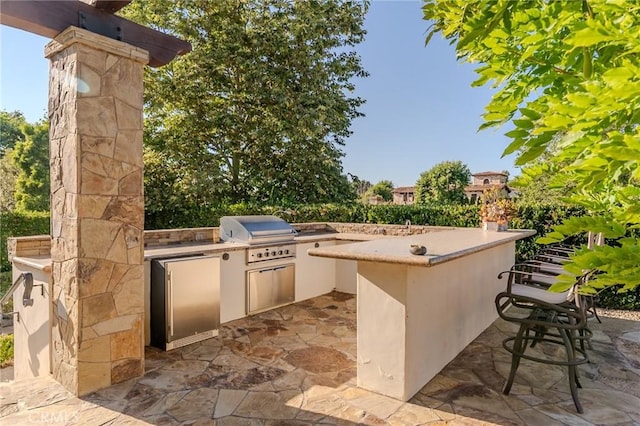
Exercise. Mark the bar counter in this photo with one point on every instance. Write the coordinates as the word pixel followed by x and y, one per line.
pixel 417 312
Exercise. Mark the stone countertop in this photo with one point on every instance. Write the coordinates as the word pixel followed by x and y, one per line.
pixel 211 248
pixel 39 263
pixel 373 247
pixel 191 249
pixel 43 263
pixel 442 246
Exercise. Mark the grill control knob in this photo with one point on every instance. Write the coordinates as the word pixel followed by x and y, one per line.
pixel 286 251
pixel 266 254
pixel 259 255
pixel 280 252
pixel 273 253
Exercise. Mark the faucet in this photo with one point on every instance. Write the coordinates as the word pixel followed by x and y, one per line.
pixel 408 225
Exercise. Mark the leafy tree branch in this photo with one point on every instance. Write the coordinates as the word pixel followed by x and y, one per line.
pixel 583 121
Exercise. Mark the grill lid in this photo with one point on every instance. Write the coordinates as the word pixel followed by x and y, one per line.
pixel 255 229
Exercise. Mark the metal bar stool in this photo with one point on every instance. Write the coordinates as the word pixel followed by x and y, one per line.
pixel 551 259
pixel 552 318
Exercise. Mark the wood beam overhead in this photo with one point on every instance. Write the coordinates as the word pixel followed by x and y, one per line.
pixel 50 18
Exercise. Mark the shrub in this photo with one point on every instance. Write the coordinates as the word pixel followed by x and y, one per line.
pixel 541 217
pixel 328 213
pixel 6 350
pixel 5 284
pixel 609 298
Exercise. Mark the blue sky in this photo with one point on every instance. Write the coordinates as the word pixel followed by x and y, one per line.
pixel 420 109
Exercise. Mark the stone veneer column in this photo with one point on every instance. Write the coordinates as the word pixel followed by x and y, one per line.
pixel 97 209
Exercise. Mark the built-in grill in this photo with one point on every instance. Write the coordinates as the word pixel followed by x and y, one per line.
pixel 270 237
pixel 270 278
pixel 255 229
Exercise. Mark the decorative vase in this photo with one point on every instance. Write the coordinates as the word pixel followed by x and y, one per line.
pixel 495 226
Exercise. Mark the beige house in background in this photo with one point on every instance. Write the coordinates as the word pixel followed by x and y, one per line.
pixel 483 181
pixel 376 200
pixel 479 183
pixel 403 195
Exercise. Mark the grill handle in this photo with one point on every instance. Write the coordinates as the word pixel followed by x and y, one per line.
pixel 277 268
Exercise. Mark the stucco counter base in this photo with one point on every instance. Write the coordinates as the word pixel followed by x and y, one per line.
pixel 416 313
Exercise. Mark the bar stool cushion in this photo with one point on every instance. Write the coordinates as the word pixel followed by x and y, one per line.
pixel 541 294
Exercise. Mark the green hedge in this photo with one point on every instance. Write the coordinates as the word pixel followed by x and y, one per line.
pixel 610 298
pixel 18 224
pixel 541 217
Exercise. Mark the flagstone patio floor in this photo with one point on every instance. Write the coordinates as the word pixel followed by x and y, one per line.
pixel 296 365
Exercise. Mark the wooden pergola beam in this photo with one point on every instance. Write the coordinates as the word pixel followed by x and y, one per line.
pixel 49 19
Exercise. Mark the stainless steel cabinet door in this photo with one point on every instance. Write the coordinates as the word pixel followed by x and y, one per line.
pixel 259 294
pixel 193 296
pixel 284 284
pixel 271 287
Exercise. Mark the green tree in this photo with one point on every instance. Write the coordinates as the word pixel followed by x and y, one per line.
pixel 542 180
pixel 360 186
pixel 566 71
pixel 31 157
pixel 10 130
pixel 443 184
pixel 260 109
pixel 8 176
pixel 384 189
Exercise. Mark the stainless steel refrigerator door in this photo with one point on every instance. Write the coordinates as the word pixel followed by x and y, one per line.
pixel 193 296
pixel 271 287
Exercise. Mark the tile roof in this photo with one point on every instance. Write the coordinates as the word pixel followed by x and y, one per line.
pixel 404 189
pixel 489 174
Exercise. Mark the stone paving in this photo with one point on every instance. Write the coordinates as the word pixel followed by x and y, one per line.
pixel 297 365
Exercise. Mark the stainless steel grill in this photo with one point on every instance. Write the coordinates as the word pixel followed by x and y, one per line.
pixel 270 237
pixel 255 229
pixel 270 278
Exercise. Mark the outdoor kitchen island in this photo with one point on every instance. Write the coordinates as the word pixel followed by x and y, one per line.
pixel 415 313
